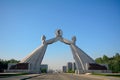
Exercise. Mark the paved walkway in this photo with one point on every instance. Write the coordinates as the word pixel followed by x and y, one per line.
pixel 72 77
pixel 59 76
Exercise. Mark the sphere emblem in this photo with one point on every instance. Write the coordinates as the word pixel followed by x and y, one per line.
pixel 59 32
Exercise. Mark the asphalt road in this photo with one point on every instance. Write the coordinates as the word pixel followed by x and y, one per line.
pixel 59 76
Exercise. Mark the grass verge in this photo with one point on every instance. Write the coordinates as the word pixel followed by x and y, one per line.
pixel 107 74
pixel 9 75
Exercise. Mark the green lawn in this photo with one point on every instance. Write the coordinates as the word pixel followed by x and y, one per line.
pixel 107 74
pixel 9 75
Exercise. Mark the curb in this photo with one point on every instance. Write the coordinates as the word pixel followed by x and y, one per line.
pixel 29 77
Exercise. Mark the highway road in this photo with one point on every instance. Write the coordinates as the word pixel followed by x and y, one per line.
pixel 62 76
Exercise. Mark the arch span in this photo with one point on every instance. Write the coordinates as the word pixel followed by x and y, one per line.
pixel 36 57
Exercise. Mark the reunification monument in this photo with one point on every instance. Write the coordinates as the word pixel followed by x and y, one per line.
pixel 32 62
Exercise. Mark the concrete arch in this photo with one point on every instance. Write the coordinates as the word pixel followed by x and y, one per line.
pixel 36 57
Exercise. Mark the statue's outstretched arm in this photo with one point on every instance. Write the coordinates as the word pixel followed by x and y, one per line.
pixel 50 41
pixel 65 41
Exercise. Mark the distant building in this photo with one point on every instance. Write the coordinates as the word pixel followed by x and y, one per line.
pixel 44 68
pixel 64 69
pixel 73 66
pixel 69 66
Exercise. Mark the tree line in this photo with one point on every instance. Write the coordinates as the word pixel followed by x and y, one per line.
pixel 113 62
pixel 4 63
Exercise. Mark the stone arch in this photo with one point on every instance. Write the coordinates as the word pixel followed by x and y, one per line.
pixel 36 57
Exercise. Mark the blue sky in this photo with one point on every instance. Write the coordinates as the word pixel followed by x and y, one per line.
pixel 95 23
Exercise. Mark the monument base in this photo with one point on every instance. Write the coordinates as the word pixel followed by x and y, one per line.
pixel 18 67
pixel 92 71
pixel 22 68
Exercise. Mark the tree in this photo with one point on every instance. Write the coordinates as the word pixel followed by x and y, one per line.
pixel 117 57
pixel 99 60
pixel 113 62
pixel 43 70
pixel 71 71
pixel 13 61
pixel 105 59
pixel 4 63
